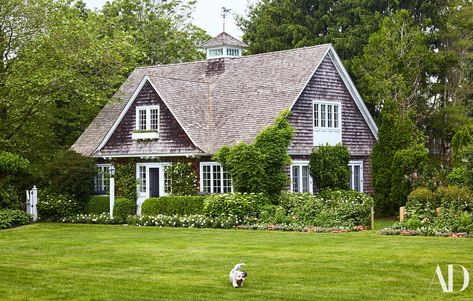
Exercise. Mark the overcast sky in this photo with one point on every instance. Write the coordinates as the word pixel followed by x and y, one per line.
pixel 207 14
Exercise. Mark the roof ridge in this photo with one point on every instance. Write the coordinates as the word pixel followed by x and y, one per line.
pixel 285 50
pixel 175 78
pixel 171 64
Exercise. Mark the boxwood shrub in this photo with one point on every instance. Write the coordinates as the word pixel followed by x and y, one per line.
pixel 123 207
pixel 169 205
pixel 97 204
pixel 10 218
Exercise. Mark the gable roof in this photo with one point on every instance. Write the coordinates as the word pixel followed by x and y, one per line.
pixel 221 108
pixel 223 39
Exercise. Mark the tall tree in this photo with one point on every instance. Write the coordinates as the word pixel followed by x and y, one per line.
pixel 282 24
pixel 161 30
pixel 393 72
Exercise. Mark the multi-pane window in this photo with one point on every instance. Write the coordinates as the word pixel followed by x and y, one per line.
pixel 214 179
pixel 326 115
pixel 356 178
pixel 215 52
pixel 101 179
pixel 233 52
pixel 142 178
pixel 147 118
pixel 300 177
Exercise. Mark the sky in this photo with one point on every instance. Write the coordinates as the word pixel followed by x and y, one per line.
pixel 207 14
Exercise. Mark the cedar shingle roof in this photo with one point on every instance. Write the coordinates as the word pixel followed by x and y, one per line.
pixel 223 39
pixel 219 109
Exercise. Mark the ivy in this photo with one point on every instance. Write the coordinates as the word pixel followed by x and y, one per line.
pixel 126 182
pixel 183 179
pixel 259 167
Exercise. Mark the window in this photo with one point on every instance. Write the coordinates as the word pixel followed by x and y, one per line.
pixel 215 52
pixel 214 179
pixel 327 125
pixel 233 52
pixel 147 123
pixel 142 178
pixel 101 179
pixel 301 181
pixel 326 115
pixel 356 178
pixel 147 118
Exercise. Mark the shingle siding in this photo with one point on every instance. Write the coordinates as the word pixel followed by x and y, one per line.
pixel 327 85
pixel 172 138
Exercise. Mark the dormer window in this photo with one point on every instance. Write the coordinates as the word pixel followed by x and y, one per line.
pixel 233 52
pixel 215 52
pixel 147 123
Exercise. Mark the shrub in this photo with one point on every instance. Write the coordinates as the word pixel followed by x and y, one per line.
pixel 405 163
pixel 458 198
pixel 169 205
pixel 329 166
pixel 52 206
pixel 421 202
pixel 183 179
pixel 70 174
pixel 12 164
pixel 259 167
pixel 9 198
pixel 100 204
pixel 272 214
pixel 241 205
pixel 352 208
pixel 122 208
pixel 10 218
pixel 97 204
pixel 328 209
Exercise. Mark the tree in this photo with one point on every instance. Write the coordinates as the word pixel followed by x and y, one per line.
pixel 329 167
pixel 259 167
pixel 161 30
pixel 393 72
pixel 347 24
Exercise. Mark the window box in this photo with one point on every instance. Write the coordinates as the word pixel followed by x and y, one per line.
pixel 145 135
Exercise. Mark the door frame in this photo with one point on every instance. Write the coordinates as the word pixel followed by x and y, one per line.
pixel 143 195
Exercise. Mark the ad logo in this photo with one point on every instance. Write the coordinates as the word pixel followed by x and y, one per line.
pixel 447 287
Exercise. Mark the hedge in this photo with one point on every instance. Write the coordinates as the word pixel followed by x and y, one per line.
pixel 10 218
pixel 101 204
pixel 169 205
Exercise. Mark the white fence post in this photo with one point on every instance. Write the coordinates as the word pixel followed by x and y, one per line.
pixel 32 202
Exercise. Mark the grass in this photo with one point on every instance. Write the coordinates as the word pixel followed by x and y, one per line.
pixel 103 262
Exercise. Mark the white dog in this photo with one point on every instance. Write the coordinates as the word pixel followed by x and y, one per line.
pixel 236 276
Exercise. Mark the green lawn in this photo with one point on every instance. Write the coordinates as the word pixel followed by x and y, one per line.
pixel 103 262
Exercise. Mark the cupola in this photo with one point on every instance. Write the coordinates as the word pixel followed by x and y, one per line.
pixel 223 45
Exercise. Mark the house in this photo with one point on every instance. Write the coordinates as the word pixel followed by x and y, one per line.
pixel 186 112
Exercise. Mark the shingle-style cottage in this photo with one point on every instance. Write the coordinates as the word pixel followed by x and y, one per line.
pixel 186 112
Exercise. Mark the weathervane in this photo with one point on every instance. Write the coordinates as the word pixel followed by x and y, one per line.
pixel 225 11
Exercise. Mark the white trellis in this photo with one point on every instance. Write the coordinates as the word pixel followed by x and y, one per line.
pixel 32 202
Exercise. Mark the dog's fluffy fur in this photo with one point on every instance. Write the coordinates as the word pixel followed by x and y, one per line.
pixel 237 277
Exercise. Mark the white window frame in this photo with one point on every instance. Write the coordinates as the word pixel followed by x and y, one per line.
pixel 148 117
pixel 300 164
pixel 104 179
pixel 352 165
pixel 324 134
pixel 201 174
